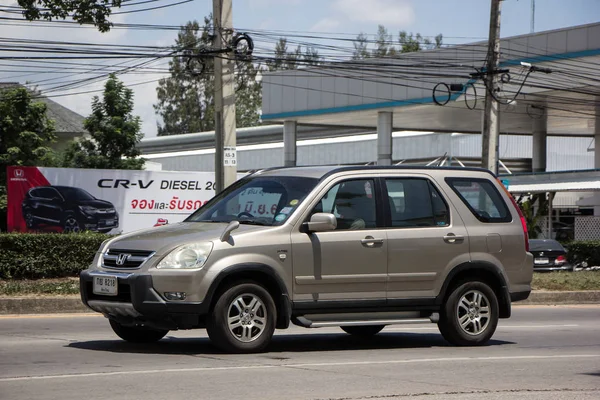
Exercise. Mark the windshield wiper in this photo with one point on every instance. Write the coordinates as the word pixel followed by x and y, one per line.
pixel 252 222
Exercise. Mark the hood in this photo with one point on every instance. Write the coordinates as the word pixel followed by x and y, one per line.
pixel 162 239
pixel 102 204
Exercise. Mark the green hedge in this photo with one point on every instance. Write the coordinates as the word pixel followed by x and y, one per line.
pixel 46 255
pixel 584 251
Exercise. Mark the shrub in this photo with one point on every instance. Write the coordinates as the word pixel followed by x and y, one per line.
pixel 46 255
pixel 584 251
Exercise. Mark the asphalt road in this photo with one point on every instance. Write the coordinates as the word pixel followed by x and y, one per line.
pixel 542 352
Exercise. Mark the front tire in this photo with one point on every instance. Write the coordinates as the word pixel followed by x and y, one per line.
pixel 70 224
pixel 243 319
pixel 363 331
pixel 469 316
pixel 137 334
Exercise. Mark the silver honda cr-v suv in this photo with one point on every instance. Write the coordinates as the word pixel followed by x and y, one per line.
pixel 355 247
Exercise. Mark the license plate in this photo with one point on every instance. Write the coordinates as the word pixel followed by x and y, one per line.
pixel 541 261
pixel 106 285
pixel 109 222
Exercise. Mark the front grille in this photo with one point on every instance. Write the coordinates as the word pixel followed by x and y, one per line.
pixel 126 259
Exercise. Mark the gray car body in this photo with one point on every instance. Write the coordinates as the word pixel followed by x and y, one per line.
pixel 331 272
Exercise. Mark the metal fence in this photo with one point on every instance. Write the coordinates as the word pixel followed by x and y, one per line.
pixel 584 228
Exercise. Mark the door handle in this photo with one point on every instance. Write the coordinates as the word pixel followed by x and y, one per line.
pixel 370 241
pixel 452 238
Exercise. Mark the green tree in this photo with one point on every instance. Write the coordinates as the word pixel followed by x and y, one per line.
pixel 26 133
pixel 95 12
pixel 410 43
pixel 383 40
pixel 361 47
pixel 114 132
pixel 186 98
pixel 284 58
pixel 384 44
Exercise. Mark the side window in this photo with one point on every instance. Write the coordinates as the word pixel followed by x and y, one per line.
pixel 352 203
pixel 482 198
pixel 415 203
pixel 46 193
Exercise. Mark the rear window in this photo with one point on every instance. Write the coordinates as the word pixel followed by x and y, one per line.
pixel 545 244
pixel 482 198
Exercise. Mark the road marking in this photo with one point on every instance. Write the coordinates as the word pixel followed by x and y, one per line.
pixel 499 327
pixel 38 316
pixel 303 365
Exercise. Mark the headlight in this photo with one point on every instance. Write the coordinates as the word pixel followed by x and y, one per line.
pixel 88 209
pixel 192 255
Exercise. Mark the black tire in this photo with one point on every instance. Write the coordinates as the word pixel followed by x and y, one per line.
pixel 479 328
pixel 258 320
pixel 29 219
pixel 70 224
pixel 137 334
pixel 363 331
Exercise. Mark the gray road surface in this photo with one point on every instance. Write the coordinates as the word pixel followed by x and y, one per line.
pixel 542 352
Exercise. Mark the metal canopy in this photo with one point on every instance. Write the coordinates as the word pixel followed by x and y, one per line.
pixel 337 94
pixel 579 181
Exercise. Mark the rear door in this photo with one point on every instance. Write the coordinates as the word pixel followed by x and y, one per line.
pixel 495 231
pixel 426 237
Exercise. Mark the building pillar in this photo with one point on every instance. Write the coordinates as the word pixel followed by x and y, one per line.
pixel 540 133
pixel 290 130
pixel 597 156
pixel 384 137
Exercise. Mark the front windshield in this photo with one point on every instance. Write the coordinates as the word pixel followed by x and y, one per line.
pixel 265 200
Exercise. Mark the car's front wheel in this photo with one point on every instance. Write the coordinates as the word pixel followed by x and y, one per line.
pixel 137 334
pixel 243 319
pixel 364 331
pixel 469 316
pixel 70 224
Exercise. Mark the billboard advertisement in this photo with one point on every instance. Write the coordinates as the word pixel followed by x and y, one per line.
pixel 110 201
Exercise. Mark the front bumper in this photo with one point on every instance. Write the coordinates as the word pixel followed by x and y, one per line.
pixel 138 303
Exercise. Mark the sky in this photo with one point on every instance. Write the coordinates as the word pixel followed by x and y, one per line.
pixel 460 21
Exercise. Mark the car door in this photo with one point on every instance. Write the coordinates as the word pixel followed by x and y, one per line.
pixel 50 204
pixel 349 263
pixel 426 237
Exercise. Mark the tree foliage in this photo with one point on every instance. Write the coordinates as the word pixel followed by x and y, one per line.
pixel 186 100
pixel 25 136
pixel 284 58
pixel 114 132
pixel 384 44
pixel 95 12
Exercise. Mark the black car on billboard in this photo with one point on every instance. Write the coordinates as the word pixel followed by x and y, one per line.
pixel 549 255
pixel 70 208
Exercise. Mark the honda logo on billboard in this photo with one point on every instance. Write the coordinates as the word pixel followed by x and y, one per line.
pixel 19 173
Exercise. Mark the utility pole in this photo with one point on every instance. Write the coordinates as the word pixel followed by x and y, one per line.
pixel 491 116
pixel 225 136
pixel 532 16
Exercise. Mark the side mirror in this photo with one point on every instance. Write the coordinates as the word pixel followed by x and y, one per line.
pixel 321 222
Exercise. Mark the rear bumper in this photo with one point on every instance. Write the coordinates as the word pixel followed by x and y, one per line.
pixel 547 268
pixel 138 302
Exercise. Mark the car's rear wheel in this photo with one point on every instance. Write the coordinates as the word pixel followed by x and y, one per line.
pixel 137 334
pixel 364 331
pixel 29 219
pixel 243 319
pixel 469 316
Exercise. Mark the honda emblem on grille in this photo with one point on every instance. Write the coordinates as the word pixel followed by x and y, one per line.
pixel 122 258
